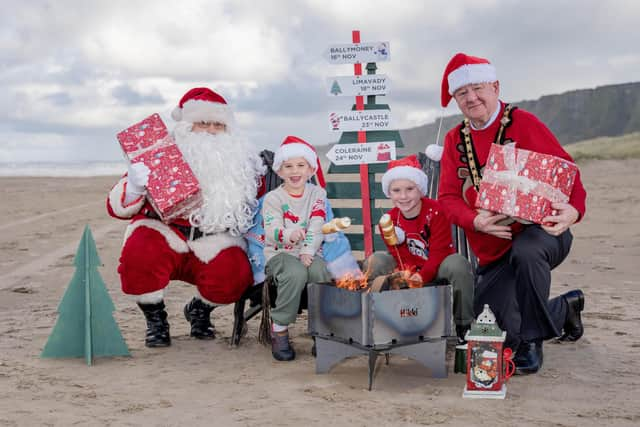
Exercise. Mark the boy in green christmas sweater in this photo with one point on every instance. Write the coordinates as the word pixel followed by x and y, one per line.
pixel 293 216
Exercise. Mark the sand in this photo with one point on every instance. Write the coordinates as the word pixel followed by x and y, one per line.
pixel 595 381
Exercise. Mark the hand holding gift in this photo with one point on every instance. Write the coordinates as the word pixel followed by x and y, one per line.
pixel 137 178
pixel 488 222
pixel 562 217
pixel 525 184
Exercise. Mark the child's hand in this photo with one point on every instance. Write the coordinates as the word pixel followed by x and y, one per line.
pixel 306 259
pixel 297 235
pixel 415 281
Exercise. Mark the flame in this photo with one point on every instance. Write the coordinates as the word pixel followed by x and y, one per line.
pixel 399 279
pixel 353 282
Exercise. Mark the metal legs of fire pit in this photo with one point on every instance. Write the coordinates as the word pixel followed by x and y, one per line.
pixel 430 354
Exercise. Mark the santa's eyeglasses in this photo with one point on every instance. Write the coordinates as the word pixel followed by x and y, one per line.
pixel 207 125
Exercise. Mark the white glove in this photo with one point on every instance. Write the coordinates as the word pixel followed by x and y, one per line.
pixel 137 179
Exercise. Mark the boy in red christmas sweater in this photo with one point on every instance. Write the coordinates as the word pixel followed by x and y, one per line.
pixel 423 250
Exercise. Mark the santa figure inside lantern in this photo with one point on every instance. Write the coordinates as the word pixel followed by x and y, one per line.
pixel 488 365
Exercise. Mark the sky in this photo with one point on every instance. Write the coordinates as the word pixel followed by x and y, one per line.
pixel 73 73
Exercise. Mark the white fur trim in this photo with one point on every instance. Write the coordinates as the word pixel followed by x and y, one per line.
pixel 197 110
pixel 343 265
pixel 434 152
pixel 150 297
pixel 207 248
pixel 116 201
pixel 405 172
pixel 173 240
pixel 291 150
pixel 472 73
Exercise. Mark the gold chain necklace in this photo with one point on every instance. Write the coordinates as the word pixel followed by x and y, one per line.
pixel 466 134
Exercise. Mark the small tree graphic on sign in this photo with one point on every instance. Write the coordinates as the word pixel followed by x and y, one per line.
pixel 335 88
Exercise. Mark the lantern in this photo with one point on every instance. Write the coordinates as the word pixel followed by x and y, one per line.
pixel 489 366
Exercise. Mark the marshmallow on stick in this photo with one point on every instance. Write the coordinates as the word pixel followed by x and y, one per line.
pixel 336 224
pixel 388 230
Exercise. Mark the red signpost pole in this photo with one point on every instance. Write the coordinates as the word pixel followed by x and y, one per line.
pixel 364 169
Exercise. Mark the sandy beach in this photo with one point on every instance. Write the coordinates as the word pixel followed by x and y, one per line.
pixel 594 382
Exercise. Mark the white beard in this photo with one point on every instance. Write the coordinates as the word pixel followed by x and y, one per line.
pixel 229 172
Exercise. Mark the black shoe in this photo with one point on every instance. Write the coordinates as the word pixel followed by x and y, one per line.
pixel 573 328
pixel 461 331
pixel 528 358
pixel 281 348
pixel 157 325
pixel 198 314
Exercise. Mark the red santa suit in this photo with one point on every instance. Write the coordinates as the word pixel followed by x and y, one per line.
pixel 211 256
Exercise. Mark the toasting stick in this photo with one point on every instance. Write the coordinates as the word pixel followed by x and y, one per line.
pixel 388 230
pixel 336 224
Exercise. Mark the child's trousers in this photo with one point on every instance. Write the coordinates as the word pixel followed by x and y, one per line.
pixel 290 277
pixel 455 268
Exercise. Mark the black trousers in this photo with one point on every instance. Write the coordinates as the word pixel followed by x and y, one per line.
pixel 516 287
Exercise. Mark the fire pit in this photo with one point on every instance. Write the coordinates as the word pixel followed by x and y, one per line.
pixel 410 322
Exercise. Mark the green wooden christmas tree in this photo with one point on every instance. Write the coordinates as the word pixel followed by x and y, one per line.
pixel 86 327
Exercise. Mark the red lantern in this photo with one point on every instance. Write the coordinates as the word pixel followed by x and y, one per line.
pixel 488 365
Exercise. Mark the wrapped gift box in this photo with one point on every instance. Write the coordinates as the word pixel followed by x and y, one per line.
pixel 523 184
pixel 173 189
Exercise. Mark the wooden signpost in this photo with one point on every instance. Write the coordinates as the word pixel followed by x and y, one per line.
pixel 372 123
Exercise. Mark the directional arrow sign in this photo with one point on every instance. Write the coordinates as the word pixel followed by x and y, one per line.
pixel 367 120
pixel 371 84
pixel 355 154
pixel 358 53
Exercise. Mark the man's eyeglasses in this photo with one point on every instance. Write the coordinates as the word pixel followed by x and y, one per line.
pixel 476 89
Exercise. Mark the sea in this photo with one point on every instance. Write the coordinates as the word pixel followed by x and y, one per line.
pixel 56 169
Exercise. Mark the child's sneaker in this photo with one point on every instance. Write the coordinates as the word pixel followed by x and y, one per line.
pixel 281 346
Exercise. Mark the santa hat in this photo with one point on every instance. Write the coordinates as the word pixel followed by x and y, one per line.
pixel 462 70
pixel 201 104
pixel 406 168
pixel 291 147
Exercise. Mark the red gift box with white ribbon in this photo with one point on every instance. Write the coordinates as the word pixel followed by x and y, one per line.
pixel 523 184
pixel 173 189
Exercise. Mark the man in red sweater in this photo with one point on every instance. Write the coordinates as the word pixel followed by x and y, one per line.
pixel 422 249
pixel 515 260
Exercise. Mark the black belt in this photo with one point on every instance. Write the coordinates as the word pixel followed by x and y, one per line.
pixel 189 232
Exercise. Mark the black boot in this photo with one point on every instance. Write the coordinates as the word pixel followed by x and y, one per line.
pixel 528 358
pixel 198 314
pixel 157 325
pixel 573 328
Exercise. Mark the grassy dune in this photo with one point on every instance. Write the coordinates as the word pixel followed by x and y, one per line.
pixel 605 148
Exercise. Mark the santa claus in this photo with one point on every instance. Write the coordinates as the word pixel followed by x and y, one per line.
pixel 205 248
